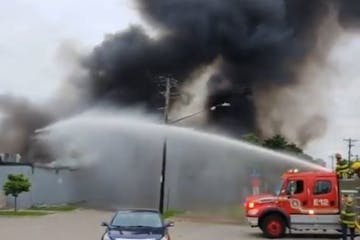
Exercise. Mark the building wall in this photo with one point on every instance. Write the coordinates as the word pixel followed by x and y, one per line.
pixel 48 187
pixel 2 200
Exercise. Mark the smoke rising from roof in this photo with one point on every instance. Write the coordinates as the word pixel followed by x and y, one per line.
pixel 19 120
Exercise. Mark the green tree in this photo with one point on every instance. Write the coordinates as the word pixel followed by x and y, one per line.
pixel 276 142
pixel 279 143
pixel 251 138
pixel 15 185
pixel 292 147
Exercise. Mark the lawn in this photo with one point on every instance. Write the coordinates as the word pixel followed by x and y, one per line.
pixel 38 210
pixel 54 208
pixel 172 213
pixel 22 213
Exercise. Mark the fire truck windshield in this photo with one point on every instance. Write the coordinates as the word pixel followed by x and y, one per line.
pixel 278 188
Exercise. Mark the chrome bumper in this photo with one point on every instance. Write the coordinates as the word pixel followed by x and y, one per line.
pixel 253 221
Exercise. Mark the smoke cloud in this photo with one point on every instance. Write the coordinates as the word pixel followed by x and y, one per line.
pixel 19 120
pixel 263 45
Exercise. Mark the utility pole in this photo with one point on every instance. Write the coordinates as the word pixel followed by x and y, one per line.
pixel 169 83
pixel 167 99
pixel 350 142
pixel 163 163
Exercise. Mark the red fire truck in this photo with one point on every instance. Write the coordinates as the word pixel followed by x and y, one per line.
pixel 307 202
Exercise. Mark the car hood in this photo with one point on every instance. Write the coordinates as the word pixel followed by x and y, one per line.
pixel 144 235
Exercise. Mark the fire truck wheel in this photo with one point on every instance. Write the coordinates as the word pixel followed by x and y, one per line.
pixel 273 226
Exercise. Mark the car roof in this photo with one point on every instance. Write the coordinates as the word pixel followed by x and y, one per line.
pixel 144 210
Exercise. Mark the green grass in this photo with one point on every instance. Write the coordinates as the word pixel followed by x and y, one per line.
pixel 38 210
pixel 55 208
pixel 172 213
pixel 23 213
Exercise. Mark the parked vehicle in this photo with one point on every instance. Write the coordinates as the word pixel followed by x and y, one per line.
pixel 137 224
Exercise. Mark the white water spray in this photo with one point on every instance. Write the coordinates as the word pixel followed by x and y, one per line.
pixel 123 153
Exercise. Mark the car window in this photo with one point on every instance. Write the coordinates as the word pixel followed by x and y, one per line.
pixel 129 219
pixel 295 187
pixel 322 187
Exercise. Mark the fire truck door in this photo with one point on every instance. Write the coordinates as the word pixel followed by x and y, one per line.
pixel 295 197
pixel 324 199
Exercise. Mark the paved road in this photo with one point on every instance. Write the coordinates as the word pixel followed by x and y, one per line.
pixel 85 225
pixel 188 230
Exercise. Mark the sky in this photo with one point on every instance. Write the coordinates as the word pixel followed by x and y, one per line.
pixel 343 108
pixel 34 30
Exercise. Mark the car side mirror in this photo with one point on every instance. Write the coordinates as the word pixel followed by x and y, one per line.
pixel 104 224
pixel 169 224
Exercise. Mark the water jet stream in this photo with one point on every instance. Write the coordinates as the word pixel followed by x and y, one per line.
pixel 119 157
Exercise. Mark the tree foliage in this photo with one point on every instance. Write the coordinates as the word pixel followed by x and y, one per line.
pixel 280 143
pixel 252 138
pixel 15 185
pixel 277 142
pixel 292 147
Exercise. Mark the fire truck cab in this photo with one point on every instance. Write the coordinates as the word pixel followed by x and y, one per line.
pixel 307 201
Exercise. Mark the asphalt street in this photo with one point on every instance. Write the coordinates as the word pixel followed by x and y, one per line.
pixel 85 225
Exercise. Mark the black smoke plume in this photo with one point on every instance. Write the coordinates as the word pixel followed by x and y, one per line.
pixel 262 43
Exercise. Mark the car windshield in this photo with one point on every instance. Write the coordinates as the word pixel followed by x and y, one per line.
pixel 133 219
